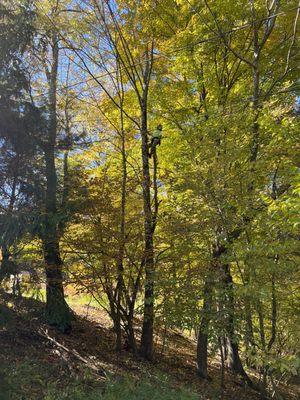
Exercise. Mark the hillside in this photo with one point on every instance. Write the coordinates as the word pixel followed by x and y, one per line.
pixel 37 362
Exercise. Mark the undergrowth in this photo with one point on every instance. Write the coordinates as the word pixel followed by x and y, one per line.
pixel 27 381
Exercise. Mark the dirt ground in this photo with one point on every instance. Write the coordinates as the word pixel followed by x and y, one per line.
pixel 25 336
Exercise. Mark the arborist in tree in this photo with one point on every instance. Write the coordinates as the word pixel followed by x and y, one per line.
pixel 155 139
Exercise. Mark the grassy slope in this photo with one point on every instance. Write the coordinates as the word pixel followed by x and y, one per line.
pixel 36 362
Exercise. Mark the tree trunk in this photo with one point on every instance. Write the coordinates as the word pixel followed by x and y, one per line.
pixel 116 317
pixel 117 322
pixel 4 270
pixel 202 342
pixel 131 337
pixel 57 310
pixel 146 349
pixel 120 266
pixel 202 339
pixel 222 383
pixel 234 362
pixel 249 334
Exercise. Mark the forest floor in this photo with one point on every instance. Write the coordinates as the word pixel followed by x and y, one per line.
pixel 37 362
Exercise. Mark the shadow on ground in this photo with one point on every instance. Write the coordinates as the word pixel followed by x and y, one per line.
pixel 35 357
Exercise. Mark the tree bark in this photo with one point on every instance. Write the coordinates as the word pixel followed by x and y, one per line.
pixel 146 349
pixel 57 310
pixel 202 339
pixel 4 269
pixel 131 336
pixel 120 262
pixel 234 362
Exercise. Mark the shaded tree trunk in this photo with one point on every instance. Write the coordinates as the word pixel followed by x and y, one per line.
pixel 6 242
pixel 202 339
pixel 131 336
pixel 233 360
pixel 57 310
pixel 116 318
pixel 4 270
pixel 120 266
pixel 146 349
pixel 249 334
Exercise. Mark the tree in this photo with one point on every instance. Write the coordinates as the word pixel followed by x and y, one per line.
pixel 19 122
pixel 48 56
